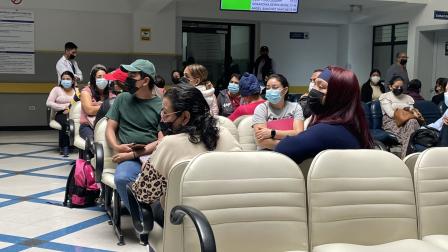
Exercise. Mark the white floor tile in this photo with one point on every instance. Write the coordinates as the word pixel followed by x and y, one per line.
pixel 28 136
pixel 56 197
pixel 22 148
pixel 24 163
pixel 60 171
pixel 22 185
pixel 38 250
pixel 4 245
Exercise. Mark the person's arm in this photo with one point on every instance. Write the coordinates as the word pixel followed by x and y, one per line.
pixel 51 101
pixel 262 139
pixel 365 97
pixel 78 74
pixel 298 128
pixel 214 107
pixel 87 105
pixel 386 105
pixel 300 147
pixel 235 114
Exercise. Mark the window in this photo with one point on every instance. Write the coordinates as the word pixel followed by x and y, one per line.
pixel 388 40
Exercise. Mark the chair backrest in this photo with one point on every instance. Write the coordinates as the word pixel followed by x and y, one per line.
pixel 429 110
pixel 247 135
pixel 100 137
pixel 306 123
pixel 376 115
pixel 363 197
pixel 75 115
pixel 430 176
pixel 239 119
pixel 410 161
pixel 228 124
pixel 250 205
pixel 367 112
pixel 52 114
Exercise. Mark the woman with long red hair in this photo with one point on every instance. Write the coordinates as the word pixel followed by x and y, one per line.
pixel 338 120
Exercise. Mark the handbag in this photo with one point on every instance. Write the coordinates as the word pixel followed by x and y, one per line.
pixel 401 116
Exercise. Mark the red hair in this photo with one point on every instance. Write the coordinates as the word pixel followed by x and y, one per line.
pixel 343 105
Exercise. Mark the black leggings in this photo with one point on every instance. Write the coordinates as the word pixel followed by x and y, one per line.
pixel 61 118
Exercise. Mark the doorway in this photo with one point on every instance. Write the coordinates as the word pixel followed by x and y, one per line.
pixel 223 48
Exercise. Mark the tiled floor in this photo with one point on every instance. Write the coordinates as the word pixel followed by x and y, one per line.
pixel 32 184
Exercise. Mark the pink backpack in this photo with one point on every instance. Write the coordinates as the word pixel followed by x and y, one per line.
pixel 82 189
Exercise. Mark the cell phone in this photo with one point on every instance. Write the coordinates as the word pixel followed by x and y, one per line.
pixel 138 146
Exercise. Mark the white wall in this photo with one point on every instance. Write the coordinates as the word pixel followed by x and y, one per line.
pixel 360 50
pixel 440 59
pixel 297 58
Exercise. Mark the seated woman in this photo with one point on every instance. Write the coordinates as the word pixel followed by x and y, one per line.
pixel 189 130
pixel 92 97
pixel 60 100
pixel 251 98
pixel 229 99
pixel 440 89
pixel 390 103
pixel 338 120
pixel 277 118
pixel 373 88
pixel 197 75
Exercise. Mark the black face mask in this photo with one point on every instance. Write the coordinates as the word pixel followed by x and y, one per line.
pixel 397 91
pixel 175 80
pixel 71 57
pixel 315 101
pixel 184 80
pixel 403 62
pixel 131 85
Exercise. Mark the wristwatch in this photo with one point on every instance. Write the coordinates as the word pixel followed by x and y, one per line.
pixel 273 133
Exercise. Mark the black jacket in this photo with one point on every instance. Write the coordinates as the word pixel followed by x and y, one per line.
pixel 437 99
pixel 267 67
pixel 367 91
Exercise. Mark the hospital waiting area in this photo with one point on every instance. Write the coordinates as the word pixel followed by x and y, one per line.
pixel 224 125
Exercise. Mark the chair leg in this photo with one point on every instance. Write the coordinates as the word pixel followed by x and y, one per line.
pixel 108 202
pixel 144 239
pixel 116 220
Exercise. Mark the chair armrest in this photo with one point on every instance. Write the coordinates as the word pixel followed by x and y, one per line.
pixel 380 146
pixel 205 232
pixel 99 157
pixel 71 131
pixel 141 214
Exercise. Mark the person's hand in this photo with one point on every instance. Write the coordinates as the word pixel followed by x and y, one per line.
pixel 123 148
pixel 66 111
pixel 445 120
pixel 262 133
pixel 121 157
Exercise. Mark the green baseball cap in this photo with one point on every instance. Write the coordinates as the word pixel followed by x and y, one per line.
pixel 141 65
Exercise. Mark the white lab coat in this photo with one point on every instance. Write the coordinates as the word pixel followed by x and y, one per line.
pixel 66 65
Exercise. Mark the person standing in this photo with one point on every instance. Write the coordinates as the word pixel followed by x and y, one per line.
pixel 399 69
pixel 68 63
pixel 264 65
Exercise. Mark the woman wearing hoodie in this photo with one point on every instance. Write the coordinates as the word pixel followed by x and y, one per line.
pixel 197 76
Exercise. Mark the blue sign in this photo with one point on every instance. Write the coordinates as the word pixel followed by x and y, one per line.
pixel 441 15
pixel 299 35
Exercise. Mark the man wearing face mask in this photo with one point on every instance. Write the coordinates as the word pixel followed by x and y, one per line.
pixel 399 69
pixel 133 120
pixel 68 63
pixel 303 101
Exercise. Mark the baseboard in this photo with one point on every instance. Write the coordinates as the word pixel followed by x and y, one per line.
pixel 24 128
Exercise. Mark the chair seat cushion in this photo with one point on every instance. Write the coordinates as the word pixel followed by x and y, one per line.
pixel 79 143
pixel 108 179
pixel 55 125
pixel 440 241
pixel 384 137
pixel 409 245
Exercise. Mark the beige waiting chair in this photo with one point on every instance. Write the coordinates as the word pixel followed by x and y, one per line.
pixel 74 117
pixel 247 135
pixel 104 174
pixel 228 124
pixel 250 206
pixel 431 186
pixel 239 120
pixel 53 123
pixel 410 161
pixel 362 200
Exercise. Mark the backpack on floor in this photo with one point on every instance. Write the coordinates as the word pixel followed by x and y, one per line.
pixel 82 189
pixel 423 139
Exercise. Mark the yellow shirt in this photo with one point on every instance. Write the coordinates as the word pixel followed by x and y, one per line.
pixel 376 92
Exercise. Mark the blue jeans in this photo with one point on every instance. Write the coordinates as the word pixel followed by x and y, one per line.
pixel 126 172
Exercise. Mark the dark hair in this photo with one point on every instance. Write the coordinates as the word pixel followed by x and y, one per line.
pixel 236 75
pixel 93 88
pixel 70 46
pixel 395 79
pixel 264 49
pixel 202 127
pixel 398 54
pixel 160 81
pixel 283 81
pixel 375 71
pixel 71 76
pixel 442 82
pixel 343 106
pixel 415 85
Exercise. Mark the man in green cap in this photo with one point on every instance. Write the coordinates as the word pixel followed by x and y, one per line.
pixel 133 120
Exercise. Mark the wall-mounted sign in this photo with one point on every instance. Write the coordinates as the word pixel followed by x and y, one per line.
pixel 446 48
pixel 145 34
pixel 299 35
pixel 441 14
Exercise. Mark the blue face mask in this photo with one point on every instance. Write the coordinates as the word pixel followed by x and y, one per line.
pixel 66 84
pixel 233 88
pixel 274 96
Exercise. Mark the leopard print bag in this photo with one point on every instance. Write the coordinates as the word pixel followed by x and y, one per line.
pixel 150 185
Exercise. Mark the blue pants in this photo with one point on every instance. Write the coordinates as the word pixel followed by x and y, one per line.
pixel 126 172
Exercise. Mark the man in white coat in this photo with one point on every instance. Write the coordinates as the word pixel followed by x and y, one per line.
pixel 68 63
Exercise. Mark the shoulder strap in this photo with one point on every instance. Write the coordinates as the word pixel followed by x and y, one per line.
pixel 67 186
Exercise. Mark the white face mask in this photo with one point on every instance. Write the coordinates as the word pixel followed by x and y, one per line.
pixel 311 86
pixel 101 83
pixel 375 79
pixel 446 99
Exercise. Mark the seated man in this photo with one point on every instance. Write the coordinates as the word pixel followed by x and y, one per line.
pixel 442 126
pixel 135 116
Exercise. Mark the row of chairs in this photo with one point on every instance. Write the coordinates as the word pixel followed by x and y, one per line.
pixel 351 200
